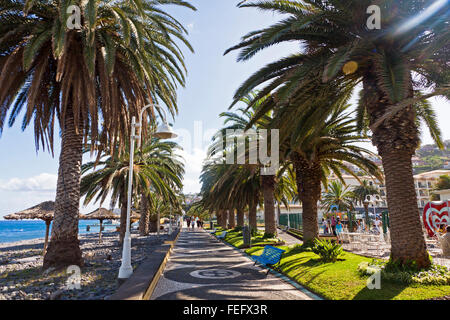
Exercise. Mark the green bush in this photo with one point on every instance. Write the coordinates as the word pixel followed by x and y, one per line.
pixel 406 273
pixel 327 250
pixel 268 235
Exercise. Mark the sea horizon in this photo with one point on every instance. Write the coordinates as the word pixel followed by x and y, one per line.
pixel 19 230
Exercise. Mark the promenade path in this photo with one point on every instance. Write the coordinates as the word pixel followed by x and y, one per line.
pixel 203 268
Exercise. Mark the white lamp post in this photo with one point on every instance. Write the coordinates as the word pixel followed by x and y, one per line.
pixel 164 132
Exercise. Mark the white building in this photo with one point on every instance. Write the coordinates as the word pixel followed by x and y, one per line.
pixel 424 183
pixel 444 195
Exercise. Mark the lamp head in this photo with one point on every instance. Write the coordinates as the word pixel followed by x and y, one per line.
pixel 164 131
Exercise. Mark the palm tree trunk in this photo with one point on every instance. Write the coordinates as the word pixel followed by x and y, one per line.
pixel 64 247
pixel 100 233
pixel 231 218
pixel 397 139
pixel 223 218
pixel 144 219
pixel 123 217
pixel 47 229
pixel 240 217
pixel 366 210
pixel 252 217
pixel 308 178
pixel 268 187
pixel 407 238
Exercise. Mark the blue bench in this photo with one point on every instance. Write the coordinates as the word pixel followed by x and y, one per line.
pixel 222 235
pixel 271 256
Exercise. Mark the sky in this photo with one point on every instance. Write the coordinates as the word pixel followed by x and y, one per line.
pixel 29 177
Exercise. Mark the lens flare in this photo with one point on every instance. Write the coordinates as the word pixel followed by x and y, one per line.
pixel 350 67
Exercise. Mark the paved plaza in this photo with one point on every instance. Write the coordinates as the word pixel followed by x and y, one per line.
pixel 203 268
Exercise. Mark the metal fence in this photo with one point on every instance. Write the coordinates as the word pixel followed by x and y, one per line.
pixel 295 220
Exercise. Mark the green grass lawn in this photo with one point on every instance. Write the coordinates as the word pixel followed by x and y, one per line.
pixel 235 239
pixel 341 281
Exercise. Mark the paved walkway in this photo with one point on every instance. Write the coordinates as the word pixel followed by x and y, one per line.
pixel 287 238
pixel 203 268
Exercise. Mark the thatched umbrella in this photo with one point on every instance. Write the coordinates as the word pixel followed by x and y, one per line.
pixel 43 211
pixel 135 216
pixel 100 214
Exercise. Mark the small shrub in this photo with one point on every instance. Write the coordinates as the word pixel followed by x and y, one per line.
pixel 327 250
pixel 268 235
pixel 406 273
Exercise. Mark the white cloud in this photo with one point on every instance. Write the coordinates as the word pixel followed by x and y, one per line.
pixel 45 182
pixel 193 166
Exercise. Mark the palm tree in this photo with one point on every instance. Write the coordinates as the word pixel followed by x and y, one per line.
pixel 239 123
pixel 318 148
pixel 337 194
pixel 361 192
pixel 395 65
pixel 157 170
pixel 89 80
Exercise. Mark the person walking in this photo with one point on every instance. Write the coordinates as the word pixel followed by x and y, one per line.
pixel 193 224
pixel 188 222
pixel 333 225
pixel 338 230
pixel 377 224
pixel 324 226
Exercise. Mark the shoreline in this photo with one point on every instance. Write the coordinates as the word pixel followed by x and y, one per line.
pixel 22 277
pixel 81 231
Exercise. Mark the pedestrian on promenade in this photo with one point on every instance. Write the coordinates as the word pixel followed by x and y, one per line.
pixel 377 224
pixel 333 225
pixel 324 226
pixel 193 224
pixel 339 229
pixel 188 222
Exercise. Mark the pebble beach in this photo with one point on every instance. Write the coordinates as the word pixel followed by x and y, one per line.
pixel 22 277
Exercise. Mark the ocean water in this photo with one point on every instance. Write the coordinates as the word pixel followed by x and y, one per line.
pixel 12 230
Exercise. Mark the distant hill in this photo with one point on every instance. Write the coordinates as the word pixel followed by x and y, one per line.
pixel 432 150
pixel 433 158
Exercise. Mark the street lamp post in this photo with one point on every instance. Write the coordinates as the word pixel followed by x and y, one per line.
pixel 164 132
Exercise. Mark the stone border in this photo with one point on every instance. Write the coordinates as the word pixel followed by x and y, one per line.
pixel 142 283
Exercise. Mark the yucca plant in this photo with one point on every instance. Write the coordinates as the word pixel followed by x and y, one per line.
pixel 327 250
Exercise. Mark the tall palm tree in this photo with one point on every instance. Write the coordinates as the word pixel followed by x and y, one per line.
pixel 398 66
pixel 90 81
pixel 157 170
pixel 337 194
pixel 363 190
pixel 318 148
pixel 239 123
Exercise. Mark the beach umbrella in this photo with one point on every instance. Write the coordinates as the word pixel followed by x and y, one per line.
pixel 135 216
pixel 43 211
pixel 100 214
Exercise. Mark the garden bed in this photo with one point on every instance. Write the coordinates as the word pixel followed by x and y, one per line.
pixel 341 280
pixel 235 238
